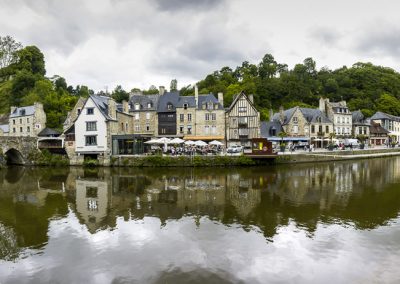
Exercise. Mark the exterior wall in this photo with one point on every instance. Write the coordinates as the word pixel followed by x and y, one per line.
pixel 360 130
pixel 167 123
pixel 326 128
pixel 242 109
pixel 218 123
pixel 141 122
pixel 297 122
pixel 343 123
pixel 186 123
pixel 28 125
pixel 81 133
pixel 74 113
pixel 392 126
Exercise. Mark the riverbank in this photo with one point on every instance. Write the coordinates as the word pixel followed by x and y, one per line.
pixel 329 156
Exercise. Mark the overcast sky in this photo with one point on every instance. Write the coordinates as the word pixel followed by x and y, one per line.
pixel 136 43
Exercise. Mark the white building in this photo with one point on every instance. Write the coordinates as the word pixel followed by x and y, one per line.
pixel 339 114
pixel 389 122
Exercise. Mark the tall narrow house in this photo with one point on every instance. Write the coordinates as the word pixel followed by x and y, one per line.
pixel 166 111
pixel 144 111
pixel 242 121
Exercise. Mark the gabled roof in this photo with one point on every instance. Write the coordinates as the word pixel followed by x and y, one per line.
pixel 23 111
pixel 102 104
pixel 168 98
pixel 237 97
pixel 267 128
pixel 48 132
pixel 310 114
pixel 143 101
pixel 381 115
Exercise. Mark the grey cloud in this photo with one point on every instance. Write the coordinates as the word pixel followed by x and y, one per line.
pixel 175 5
pixel 326 36
pixel 383 41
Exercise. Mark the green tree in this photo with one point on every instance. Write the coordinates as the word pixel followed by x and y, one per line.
pixel 8 51
pixel 120 94
pixel 31 59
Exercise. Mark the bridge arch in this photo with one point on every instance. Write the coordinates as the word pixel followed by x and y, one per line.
pixel 14 157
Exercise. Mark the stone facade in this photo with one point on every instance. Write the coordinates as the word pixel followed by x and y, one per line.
pixel 74 113
pixel 339 114
pixel 27 121
pixel 143 109
pixel 389 122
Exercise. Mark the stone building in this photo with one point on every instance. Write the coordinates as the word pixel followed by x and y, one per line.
pixel 360 124
pixel 389 122
pixel 242 121
pixel 27 121
pixel 74 113
pixel 143 108
pixel 339 114
pixel 377 134
pixel 201 117
pixel 304 122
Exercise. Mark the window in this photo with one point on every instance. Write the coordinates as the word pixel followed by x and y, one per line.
pixel 122 126
pixel 305 130
pixel 137 116
pixel 242 109
pixel 13 121
pixel 207 129
pixel 181 129
pixel 20 120
pixel 312 128
pixel 147 115
pixel 295 119
pixel 338 120
pixel 242 120
pixel 213 129
pixel 295 129
pixel 213 116
pixel 185 106
pixel 137 106
pixel 137 127
pixel 181 117
pixel 14 130
pixel 22 112
pixel 244 131
pixel 169 106
pixel 28 129
pixel 149 105
pixel 20 129
pixel 92 126
pixel 147 127
pixel 320 129
pixel 27 119
pixel 327 128
pixel 91 140
pixel 78 111
pixel 90 111
pixel 91 192
pixel 210 106
pixel 189 129
pixel 207 116
pixel 126 126
pixel 189 117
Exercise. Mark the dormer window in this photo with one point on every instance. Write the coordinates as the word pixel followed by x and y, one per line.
pixel 295 119
pixel 149 105
pixel 319 119
pixel 210 105
pixel 185 106
pixel 22 112
pixel 169 106
pixel 137 106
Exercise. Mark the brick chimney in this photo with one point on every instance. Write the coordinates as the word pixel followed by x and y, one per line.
pixel 221 98
pixel 161 90
pixel 125 107
pixel 322 105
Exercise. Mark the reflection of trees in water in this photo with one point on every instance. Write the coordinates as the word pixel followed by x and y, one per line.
pixel 9 249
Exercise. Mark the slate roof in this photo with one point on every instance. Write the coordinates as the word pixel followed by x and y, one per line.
pixel 5 128
pixel 208 98
pixel 190 100
pixel 143 100
pixel 359 118
pixel 168 98
pixel 381 115
pixel 310 114
pixel 49 132
pixel 102 103
pixel 23 111
pixel 266 128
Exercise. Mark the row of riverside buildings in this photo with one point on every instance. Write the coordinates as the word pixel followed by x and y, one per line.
pixel 99 127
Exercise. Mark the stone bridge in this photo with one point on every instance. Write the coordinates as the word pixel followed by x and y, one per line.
pixel 16 149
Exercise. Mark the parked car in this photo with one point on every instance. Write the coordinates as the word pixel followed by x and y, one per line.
pixel 235 149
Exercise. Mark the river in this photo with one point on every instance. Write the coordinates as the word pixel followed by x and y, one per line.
pixel 305 223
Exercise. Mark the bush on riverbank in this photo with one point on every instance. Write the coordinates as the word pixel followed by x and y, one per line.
pixel 45 158
pixel 183 161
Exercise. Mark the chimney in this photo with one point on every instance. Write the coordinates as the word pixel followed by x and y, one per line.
pixel 221 98
pixel 12 109
pixel 135 93
pixel 322 106
pixel 112 108
pixel 162 90
pixel 196 94
pixel 125 107
pixel 281 114
pixel 38 105
pixel 251 98
pixel 271 114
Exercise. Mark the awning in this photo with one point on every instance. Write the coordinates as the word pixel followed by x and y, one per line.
pixel 206 138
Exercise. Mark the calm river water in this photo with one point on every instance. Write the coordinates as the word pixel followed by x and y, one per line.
pixel 311 223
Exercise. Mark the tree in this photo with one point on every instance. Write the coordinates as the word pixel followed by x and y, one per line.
pixel 120 94
pixel 31 59
pixel 8 51
pixel 173 85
